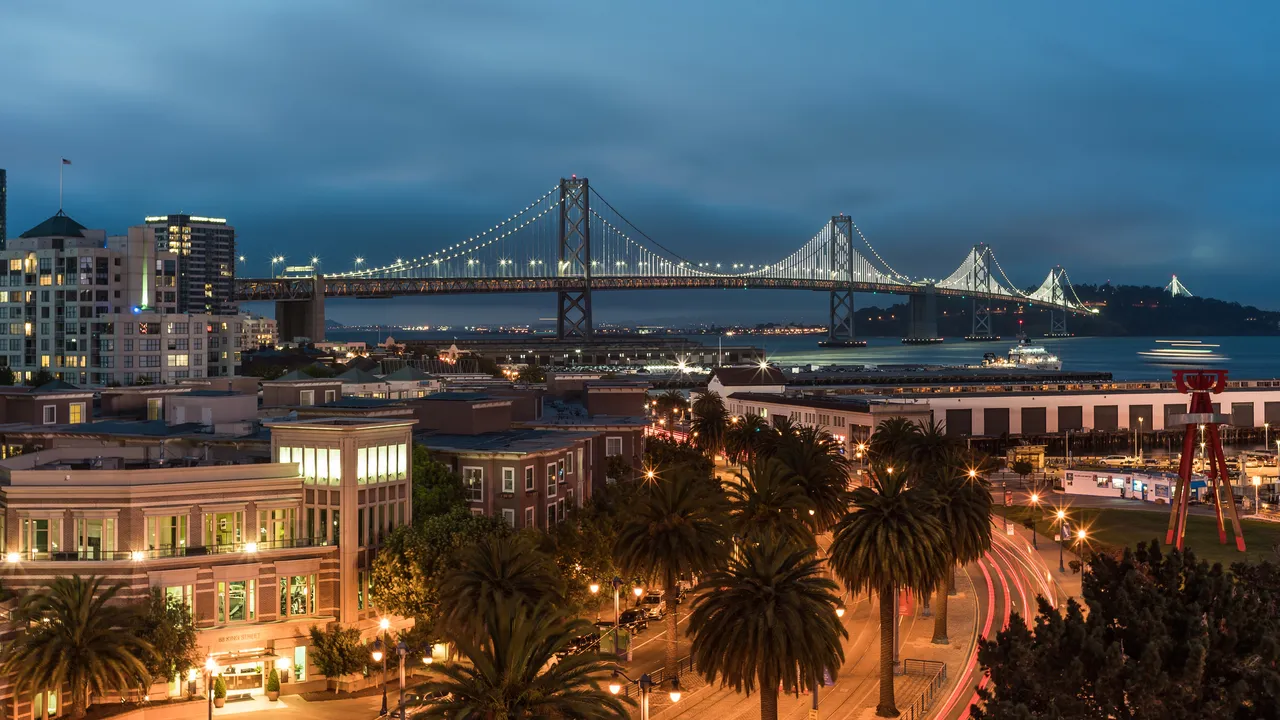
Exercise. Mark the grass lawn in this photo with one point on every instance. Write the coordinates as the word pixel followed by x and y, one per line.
pixel 1122 528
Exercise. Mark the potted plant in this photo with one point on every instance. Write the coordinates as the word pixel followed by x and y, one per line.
pixel 273 685
pixel 219 692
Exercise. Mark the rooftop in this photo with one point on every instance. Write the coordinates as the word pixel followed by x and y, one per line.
pixel 523 441
pixel 57 226
pixel 826 402
pixel 459 396
pixel 749 376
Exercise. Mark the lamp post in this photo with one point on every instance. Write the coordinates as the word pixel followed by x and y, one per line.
pixel 617 585
pixel 401 650
pixel 381 657
pixel 275 259
pixel 1062 540
pixel 1137 439
pixel 1035 504
pixel 210 667
pixel 1256 482
pixel 647 686
pixel 595 593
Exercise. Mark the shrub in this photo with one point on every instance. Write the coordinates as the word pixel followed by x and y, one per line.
pixel 219 688
pixel 273 681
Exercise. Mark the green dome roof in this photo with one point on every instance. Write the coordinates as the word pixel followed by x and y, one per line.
pixel 57 226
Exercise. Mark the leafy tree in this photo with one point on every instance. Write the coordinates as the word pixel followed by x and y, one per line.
pixel 767 505
pixel 337 652
pixel 767 621
pixel 497 568
pixel 616 468
pixel 1023 468
pixel 1165 636
pixel 710 422
pixel 40 377
pixel 6 376
pixel 437 490
pixel 892 539
pixel 413 560
pixel 513 673
pixel 71 632
pixel 676 527
pixel 814 458
pixel 533 374
pixel 582 547
pixel 670 456
pixel 166 624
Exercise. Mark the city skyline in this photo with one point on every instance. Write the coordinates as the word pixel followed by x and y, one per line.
pixel 1124 147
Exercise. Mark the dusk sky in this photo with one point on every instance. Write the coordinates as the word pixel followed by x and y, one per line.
pixel 1125 141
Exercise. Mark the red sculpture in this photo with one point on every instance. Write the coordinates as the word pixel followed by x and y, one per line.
pixel 1201 417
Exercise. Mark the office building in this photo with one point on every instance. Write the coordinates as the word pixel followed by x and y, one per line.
pixel 96 309
pixel 205 248
pixel 4 207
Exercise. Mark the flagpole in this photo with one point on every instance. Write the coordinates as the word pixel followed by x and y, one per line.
pixel 61 165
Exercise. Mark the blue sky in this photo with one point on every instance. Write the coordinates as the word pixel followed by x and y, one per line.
pixel 1126 141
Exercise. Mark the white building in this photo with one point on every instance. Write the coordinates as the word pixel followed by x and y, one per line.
pixel 257 331
pixel 95 310
pixel 1145 486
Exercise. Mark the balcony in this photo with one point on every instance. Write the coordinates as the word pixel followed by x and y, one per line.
pixel 165 552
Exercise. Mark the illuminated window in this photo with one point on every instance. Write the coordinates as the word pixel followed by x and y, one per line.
pixel 76 413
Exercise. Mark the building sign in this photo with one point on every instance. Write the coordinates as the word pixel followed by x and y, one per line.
pixel 238 637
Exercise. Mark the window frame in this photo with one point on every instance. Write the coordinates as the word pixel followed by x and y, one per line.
pixel 473 484
pixel 509 482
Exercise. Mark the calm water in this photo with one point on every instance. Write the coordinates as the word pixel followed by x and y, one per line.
pixel 1248 357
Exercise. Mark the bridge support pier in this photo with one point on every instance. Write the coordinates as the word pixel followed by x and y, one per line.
pixel 1058 323
pixel 573 307
pixel 841 254
pixel 922 318
pixel 303 317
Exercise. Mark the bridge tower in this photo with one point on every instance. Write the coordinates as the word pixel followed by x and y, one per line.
pixel 1058 296
pixel 980 281
pixel 841 254
pixel 573 316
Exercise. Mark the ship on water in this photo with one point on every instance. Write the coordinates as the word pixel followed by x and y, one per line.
pixel 1024 356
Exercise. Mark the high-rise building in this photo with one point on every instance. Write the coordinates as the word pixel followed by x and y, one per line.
pixel 206 251
pixel 96 309
pixel 4 207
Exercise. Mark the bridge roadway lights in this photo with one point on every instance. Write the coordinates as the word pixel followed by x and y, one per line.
pixel 303 318
pixel 923 318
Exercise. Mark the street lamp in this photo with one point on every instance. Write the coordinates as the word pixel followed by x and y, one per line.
pixel 1035 503
pixel 647 686
pixel 401 650
pixel 381 657
pixel 1256 482
pixel 1062 519
pixel 595 592
pixel 274 260
pixel 210 667
pixel 617 585
pixel 1137 440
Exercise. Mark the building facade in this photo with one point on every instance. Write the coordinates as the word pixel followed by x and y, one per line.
pixel 4 207
pixel 205 248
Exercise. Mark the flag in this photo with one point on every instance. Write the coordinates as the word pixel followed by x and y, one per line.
pixel 66 161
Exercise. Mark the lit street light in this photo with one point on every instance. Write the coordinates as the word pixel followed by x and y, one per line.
pixel 1035 503
pixel 210 667
pixel 647 686
pixel 1062 539
pixel 274 260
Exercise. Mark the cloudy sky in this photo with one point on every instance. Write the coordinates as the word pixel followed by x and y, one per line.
pixel 1126 141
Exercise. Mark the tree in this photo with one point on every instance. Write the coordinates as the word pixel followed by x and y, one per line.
pixel 677 527
pixel 40 377
pixel 1023 468
pixel 767 504
pixel 964 509
pixel 1166 636
pixel 513 671
pixel 497 568
pixel 891 540
pixel 273 681
pixel 617 468
pixel 437 490
pixel 337 652
pixel 166 624
pixel 413 560
pixel 533 374
pixel 768 620
pixel 815 460
pixel 893 440
pixel 669 403
pixel 710 422
pixel 670 456
pixel 6 376
pixel 71 632
pixel 747 437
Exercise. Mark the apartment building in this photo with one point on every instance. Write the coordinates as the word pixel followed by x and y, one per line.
pixel 263 539
pixel 205 250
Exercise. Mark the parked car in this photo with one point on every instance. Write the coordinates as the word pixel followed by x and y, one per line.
pixel 634 620
pixel 654 605
pixel 1151 463
pixel 580 644
pixel 1118 461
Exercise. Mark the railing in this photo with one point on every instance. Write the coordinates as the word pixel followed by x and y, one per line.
pixel 684 666
pixel 937 680
pixel 168 552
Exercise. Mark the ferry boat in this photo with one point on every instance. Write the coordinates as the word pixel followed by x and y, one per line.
pixel 841 343
pixel 1024 356
pixel 1182 352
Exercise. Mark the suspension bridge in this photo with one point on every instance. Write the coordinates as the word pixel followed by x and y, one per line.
pixel 572 242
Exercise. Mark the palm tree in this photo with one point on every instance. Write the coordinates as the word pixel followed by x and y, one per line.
pixel 71 633
pixel 747 437
pixel 767 504
pixel 964 509
pixel 678 526
pixel 930 447
pixel 671 402
pixel 892 539
pixel 815 459
pixel 511 673
pixel 768 620
pixel 496 568
pixel 710 421
pixel 892 441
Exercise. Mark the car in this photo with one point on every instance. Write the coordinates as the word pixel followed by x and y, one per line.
pixel 1117 460
pixel 634 620
pixel 579 644
pixel 654 605
pixel 1151 462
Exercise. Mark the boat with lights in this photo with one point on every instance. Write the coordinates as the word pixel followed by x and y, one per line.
pixel 1024 356
pixel 1183 352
